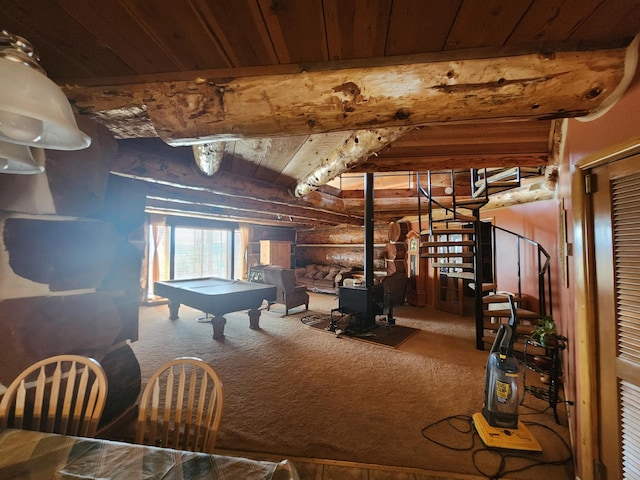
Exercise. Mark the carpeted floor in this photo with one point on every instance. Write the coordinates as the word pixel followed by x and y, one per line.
pixel 296 391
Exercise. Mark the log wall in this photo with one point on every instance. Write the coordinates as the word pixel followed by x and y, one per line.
pixel 343 245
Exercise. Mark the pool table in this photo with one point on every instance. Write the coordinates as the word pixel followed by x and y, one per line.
pixel 216 296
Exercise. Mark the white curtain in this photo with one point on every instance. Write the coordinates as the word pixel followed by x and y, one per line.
pixel 156 262
pixel 245 235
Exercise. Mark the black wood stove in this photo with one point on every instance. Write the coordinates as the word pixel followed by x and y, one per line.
pixel 363 304
pixel 366 302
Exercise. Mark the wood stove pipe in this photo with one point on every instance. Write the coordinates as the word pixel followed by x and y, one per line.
pixel 368 230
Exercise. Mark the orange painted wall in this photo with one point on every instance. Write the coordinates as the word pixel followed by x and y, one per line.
pixel 583 139
pixel 536 221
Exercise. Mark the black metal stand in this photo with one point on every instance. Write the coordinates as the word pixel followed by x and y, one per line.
pixel 205 319
pixel 552 367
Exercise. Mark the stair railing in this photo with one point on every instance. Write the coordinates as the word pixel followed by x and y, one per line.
pixel 431 201
pixel 475 178
pixel 545 299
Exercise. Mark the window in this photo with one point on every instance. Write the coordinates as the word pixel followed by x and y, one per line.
pixel 202 252
pixel 197 252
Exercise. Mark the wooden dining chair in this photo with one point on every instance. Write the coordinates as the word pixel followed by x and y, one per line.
pixel 63 394
pixel 181 406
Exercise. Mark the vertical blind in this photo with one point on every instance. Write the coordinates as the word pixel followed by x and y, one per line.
pixel 625 204
pixel 202 252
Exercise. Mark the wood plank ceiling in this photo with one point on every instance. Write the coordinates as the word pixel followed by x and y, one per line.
pixel 131 63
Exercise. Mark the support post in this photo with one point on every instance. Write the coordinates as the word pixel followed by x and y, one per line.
pixel 368 230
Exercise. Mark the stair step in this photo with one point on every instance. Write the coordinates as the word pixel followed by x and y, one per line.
pixel 486 287
pixel 498 175
pixel 451 265
pixel 520 329
pixel 521 313
pixel 459 217
pixel 448 231
pixel 495 187
pixel 530 171
pixel 471 203
pixel 448 243
pixel 518 346
pixel 466 275
pixel 447 255
pixel 500 298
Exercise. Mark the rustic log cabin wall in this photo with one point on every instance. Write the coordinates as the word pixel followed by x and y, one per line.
pixel 69 277
pixel 343 245
pixel 262 232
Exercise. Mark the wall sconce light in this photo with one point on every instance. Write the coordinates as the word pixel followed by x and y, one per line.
pixel 33 109
pixel 17 159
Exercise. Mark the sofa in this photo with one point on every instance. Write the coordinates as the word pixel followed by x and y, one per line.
pixel 322 278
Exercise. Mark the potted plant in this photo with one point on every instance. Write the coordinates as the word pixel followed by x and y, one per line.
pixel 546 333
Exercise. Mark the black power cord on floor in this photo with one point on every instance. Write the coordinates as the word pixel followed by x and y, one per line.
pixel 464 424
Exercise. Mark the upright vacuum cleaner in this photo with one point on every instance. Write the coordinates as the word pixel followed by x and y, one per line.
pixel 498 424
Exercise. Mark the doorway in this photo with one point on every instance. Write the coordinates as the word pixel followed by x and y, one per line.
pixel 616 226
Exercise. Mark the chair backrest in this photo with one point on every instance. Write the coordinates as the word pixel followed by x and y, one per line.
pixel 181 406
pixel 63 394
pixel 272 275
pixel 283 278
pixel 288 280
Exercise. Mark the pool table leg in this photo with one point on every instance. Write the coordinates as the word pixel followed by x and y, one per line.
pixel 218 322
pixel 173 309
pixel 254 318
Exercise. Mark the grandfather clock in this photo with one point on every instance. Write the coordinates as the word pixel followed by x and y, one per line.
pixel 417 268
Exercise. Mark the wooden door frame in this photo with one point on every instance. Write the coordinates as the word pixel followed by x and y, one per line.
pixel 588 419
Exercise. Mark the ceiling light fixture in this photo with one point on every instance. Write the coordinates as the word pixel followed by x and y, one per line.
pixel 17 159
pixel 33 109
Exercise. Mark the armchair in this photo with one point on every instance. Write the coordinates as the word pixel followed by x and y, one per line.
pixel 286 291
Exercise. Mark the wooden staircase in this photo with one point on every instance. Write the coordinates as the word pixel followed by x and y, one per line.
pixel 493 318
pixel 452 241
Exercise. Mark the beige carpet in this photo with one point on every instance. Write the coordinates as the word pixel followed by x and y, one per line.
pixel 297 391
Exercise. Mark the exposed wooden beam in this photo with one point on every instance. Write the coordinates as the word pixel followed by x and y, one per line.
pixel 475 135
pixel 230 188
pixel 395 205
pixel 532 190
pixel 194 211
pixel 516 87
pixel 422 164
pixel 169 207
pixel 172 170
pixel 243 206
pixel 357 148
pixel 358 194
